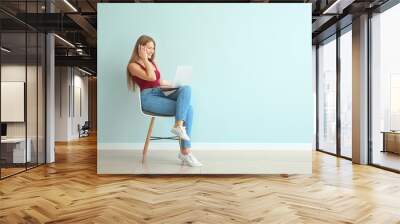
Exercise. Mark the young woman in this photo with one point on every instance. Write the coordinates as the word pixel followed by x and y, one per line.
pixel 143 71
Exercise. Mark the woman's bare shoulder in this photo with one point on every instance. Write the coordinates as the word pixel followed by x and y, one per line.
pixel 136 64
pixel 134 68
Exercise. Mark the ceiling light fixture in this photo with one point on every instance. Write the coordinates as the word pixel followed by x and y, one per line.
pixel 5 50
pixel 84 71
pixel 70 5
pixel 79 51
pixel 338 6
pixel 64 40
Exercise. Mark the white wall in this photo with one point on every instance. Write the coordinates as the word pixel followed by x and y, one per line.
pixel 68 83
pixel 80 83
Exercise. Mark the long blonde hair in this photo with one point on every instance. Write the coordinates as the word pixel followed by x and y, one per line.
pixel 142 40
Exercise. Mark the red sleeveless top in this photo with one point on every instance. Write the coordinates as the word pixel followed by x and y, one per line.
pixel 144 84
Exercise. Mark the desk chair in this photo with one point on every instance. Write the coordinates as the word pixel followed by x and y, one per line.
pixel 152 117
pixel 84 129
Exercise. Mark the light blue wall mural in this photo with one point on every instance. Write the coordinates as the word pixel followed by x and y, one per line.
pixel 252 74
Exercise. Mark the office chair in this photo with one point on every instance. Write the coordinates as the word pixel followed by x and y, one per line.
pixel 83 130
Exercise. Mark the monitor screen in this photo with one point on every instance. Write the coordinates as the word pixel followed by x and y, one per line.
pixel 3 129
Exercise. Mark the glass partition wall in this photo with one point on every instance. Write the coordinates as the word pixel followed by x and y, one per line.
pixel 334 71
pixel 385 89
pixel 345 61
pixel 22 77
pixel 334 81
pixel 327 95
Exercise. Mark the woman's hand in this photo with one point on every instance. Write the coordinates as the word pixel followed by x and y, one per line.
pixel 143 53
pixel 165 83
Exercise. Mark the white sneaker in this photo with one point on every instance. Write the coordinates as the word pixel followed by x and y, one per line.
pixel 189 159
pixel 181 132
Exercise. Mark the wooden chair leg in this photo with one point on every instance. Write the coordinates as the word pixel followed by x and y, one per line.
pixel 146 144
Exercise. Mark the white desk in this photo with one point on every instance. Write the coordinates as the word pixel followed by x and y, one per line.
pixel 19 149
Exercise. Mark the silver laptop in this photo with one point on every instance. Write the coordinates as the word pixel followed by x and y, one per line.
pixel 183 75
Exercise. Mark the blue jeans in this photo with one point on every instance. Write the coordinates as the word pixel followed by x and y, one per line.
pixel 177 103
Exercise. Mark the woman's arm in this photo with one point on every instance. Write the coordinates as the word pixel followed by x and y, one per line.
pixel 149 68
pixel 135 70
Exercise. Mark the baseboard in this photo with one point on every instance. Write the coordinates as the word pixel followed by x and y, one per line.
pixel 208 146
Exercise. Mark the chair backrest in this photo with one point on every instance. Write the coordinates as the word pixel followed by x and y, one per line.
pixel 86 125
pixel 138 100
